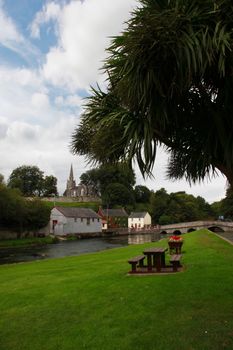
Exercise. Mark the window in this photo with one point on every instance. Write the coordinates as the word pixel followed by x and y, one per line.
pixel 93 219
pixel 81 219
pixel 88 221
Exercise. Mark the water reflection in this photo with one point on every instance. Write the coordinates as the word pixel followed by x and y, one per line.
pixel 143 238
pixel 72 248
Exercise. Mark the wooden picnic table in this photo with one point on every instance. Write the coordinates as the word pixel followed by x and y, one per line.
pixel 155 258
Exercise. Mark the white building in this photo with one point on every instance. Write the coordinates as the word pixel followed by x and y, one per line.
pixel 65 221
pixel 139 220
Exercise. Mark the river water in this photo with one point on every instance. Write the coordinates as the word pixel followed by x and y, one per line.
pixel 72 248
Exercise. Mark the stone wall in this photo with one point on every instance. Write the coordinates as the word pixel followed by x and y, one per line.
pixel 71 199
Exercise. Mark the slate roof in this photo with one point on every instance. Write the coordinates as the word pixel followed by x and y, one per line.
pixel 72 212
pixel 135 215
pixel 114 212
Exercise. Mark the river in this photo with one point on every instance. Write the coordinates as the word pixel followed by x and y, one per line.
pixel 72 248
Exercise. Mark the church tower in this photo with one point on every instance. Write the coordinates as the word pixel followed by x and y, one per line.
pixel 71 184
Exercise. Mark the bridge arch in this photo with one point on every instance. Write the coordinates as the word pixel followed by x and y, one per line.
pixel 163 232
pixel 191 230
pixel 216 229
pixel 177 232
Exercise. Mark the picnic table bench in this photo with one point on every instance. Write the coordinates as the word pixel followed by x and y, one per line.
pixel 137 260
pixel 175 261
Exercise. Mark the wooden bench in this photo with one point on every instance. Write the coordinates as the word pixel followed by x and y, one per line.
pixel 175 261
pixel 135 261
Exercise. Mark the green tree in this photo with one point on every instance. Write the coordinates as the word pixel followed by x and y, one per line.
pixel 1 179
pixel 227 204
pixel 28 179
pixel 205 208
pixel 19 214
pixel 101 177
pixel 37 215
pixel 178 207
pixel 50 186
pixel 117 194
pixel 216 208
pixel 92 178
pixel 170 82
pixel 166 220
pixel 142 194
pixel 12 208
pixel 159 202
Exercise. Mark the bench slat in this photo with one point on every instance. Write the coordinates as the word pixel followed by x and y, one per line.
pixel 136 259
pixel 175 261
pixel 175 257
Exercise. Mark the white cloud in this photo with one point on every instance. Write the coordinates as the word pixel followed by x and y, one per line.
pixel 9 33
pixel 49 12
pixel 11 38
pixel 212 190
pixel 19 132
pixel 84 29
pixel 69 101
pixel 3 128
pixel 40 100
pixel 33 131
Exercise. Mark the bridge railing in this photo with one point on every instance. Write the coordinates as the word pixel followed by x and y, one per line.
pixel 197 224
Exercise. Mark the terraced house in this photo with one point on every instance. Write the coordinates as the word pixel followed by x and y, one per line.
pixel 139 220
pixel 113 218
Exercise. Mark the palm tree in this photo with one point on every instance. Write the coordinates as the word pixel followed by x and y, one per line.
pixel 170 82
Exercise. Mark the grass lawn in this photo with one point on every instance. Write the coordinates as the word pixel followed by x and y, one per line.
pixel 88 302
pixel 91 205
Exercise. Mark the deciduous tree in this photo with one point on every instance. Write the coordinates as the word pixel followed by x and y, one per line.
pixel 142 194
pixel 28 179
pixel 49 187
pixel 100 178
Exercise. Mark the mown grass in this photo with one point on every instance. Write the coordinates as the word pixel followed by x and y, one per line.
pixel 89 302
pixel 91 205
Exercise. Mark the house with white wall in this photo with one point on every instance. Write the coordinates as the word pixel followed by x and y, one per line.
pixel 65 221
pixel 139 220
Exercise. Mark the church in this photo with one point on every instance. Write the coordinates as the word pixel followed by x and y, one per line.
pixel 80 190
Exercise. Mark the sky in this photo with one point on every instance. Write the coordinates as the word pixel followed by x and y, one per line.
pixel 51 52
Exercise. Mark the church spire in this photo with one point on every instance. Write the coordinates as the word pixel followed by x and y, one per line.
pixel 70 182
pixel 71 178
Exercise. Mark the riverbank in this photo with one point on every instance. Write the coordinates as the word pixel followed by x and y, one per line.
pixel 27 242
pixel 89 302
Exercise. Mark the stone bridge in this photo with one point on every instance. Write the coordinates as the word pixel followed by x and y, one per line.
pixel 183 227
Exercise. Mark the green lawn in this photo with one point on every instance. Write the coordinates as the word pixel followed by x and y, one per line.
pixel 91 205
pixel 88 302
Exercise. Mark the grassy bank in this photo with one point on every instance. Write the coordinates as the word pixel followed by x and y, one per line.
pixel 91 205
pixel 24 242
pixel 88 302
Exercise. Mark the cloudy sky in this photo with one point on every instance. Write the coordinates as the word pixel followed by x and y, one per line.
pixel 50 53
